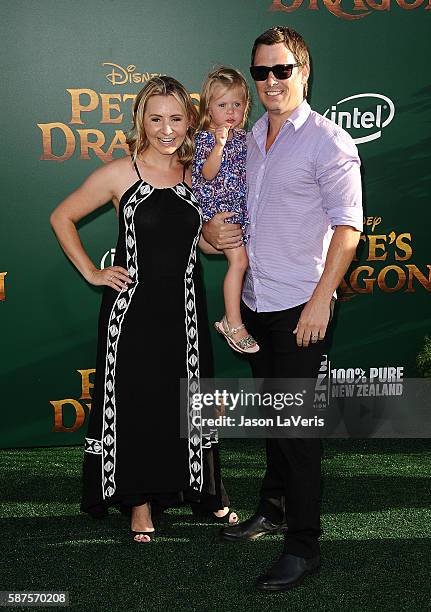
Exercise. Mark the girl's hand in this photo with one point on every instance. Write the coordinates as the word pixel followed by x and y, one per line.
pixel 221 134
pixel 113 276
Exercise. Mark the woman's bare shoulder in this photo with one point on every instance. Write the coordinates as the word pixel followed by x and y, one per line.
pixel 115 174
pixel 120 166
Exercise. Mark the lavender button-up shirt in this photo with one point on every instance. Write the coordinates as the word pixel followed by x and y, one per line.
pixel 308 183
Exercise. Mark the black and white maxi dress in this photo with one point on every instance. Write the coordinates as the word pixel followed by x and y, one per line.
pixel 151 335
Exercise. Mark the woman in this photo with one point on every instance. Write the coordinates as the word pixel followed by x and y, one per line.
pixel 153 329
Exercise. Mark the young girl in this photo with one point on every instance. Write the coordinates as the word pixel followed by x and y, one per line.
pixel 219 184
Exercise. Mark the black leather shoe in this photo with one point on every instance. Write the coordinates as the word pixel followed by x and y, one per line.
pixel 250 529
pixel 287 572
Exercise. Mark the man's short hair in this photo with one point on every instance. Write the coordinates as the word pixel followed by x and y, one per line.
pixel 292 40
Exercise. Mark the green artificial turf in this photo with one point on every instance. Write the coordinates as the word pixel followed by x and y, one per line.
pixel 375 548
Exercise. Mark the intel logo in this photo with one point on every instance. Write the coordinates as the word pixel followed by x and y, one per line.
pixel 369 117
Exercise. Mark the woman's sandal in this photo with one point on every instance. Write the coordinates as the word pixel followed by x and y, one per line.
pixel 245 345
pixel 150 534
pixel 226 518
pixel 208 515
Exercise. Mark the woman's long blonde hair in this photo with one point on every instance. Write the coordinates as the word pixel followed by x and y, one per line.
pixel 227 77
pixel 162 86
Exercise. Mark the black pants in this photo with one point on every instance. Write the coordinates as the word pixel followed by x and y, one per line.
pixel 291 485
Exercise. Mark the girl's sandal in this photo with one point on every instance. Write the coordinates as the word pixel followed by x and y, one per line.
pixel 245 345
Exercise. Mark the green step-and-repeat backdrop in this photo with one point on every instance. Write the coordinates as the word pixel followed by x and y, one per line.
pixel 71 70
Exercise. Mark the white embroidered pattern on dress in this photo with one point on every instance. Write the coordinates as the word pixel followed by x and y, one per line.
pixel 93 446
pixel 116 318
pixel 192 352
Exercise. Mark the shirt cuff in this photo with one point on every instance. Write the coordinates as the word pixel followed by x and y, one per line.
pixel 346 216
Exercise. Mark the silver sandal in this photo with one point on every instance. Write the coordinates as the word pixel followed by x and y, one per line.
pixel 245 345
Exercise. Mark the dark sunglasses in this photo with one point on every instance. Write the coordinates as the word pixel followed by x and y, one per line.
pixel 280 71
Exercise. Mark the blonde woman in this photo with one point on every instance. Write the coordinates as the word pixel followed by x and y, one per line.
pixel 153 328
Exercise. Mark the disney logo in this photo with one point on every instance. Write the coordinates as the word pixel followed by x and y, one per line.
pixel 120 76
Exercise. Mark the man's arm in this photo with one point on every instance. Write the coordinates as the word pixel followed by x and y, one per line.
pixel 339 180
pixel 207 248
pixel 314 318
pixel 222 235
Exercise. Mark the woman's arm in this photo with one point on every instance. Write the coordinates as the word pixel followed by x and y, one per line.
pixel 96 191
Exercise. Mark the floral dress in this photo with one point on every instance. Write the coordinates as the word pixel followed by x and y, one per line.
pixel 227 191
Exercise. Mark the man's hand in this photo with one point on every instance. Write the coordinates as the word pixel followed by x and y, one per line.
pixel 315 315
pixel 313 322
pixel 222 235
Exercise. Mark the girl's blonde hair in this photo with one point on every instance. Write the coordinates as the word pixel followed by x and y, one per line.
pixel 162 86
pixel 227 77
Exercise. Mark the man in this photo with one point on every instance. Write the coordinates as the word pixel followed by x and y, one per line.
pixel 304 202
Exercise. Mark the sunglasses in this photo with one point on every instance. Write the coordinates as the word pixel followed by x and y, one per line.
pixel 280 71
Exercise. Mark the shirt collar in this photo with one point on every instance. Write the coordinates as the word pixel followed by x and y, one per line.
pixel 298 117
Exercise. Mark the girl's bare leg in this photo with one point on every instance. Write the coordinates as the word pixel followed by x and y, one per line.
pixel 232 287
pixel 141 521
